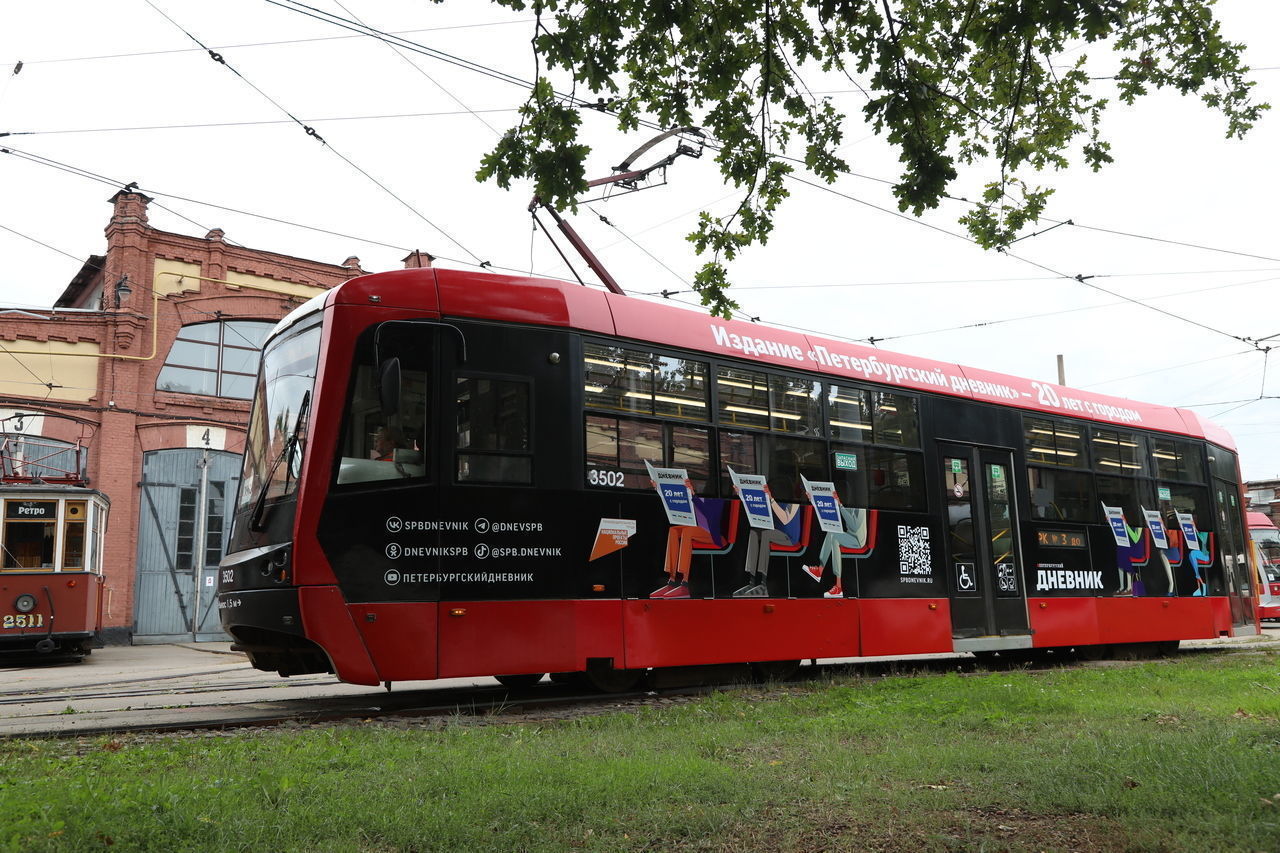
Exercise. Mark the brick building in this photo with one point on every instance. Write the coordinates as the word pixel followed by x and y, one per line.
pixel 1264 497
pixel 148 361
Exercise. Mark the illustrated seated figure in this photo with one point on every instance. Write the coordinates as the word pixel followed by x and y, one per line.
pixel 681 538
pixel 786 531
pixel 853 537
pixel 1200 559
pixel 1128 559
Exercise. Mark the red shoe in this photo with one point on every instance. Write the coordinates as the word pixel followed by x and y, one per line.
pixel 662 592
pixel 681 591
pixel 814 572
pixel 834 592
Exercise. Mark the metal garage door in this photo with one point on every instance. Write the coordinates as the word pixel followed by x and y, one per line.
pixel 182 534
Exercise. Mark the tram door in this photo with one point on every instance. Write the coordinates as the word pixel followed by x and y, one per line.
pixel 984 566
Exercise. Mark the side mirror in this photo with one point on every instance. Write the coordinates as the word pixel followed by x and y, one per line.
pixel 389 386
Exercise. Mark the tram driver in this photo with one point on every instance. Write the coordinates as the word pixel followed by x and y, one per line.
pixel 386 441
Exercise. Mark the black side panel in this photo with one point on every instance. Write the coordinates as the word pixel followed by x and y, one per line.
pixel 949 419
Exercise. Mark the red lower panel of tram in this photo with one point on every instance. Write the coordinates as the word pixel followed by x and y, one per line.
pixel 1093 621
pixel 371 643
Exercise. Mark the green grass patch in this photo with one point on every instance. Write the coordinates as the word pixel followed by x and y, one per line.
pixel 1169 755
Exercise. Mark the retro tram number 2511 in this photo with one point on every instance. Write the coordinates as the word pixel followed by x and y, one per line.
pixel 23 620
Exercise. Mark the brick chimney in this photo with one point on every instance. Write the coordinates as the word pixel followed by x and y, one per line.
pixel 352 266
pixel 131 207
pixel 418 259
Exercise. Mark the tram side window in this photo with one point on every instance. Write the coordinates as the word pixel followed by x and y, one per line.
pixel 848 413
pixel 29 544
pixel 879 478
pixel 775 402
pixel 1178 460
pixel 1223 464
pixel 1123 492
pixel 895 480
pixel 1116 452
pixel 1058 494
pixel 894 420
pixel 645 383
pixel 73 535
pixel 1052 443
pixel 866 474
pixel 617 449
pixel 782 459
pixel 796 405
pixel 1189 500
pixel 493 437
pixel 744 398
pixel 379 445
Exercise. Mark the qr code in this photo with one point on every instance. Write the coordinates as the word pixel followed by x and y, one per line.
pixel 915 557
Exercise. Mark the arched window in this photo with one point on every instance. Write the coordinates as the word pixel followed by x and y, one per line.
pixel 219 359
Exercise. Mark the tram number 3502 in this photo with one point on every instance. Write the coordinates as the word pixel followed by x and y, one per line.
pixel 23 620
pixel 597 477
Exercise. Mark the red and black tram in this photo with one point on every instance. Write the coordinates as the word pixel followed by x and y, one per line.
pixel 457 474
pixel 51 544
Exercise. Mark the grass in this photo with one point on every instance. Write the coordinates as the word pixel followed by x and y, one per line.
pixel 1168 755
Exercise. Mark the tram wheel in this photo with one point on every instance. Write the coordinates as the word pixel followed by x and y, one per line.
pixel 1094 652
pixel 524 679
pixel 575 678
pixel 606 679
pixel 774 670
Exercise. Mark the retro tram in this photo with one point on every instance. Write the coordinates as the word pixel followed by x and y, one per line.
pixel 455 474
pixel 51 544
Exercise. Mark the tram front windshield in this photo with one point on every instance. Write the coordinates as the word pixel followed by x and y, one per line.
pixel 277 426
pixel 1268 542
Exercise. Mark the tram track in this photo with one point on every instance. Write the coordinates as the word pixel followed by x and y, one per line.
pixel 432 705
pixel 78 695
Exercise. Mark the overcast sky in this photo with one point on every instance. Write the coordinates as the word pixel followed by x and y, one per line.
pixel 1183 221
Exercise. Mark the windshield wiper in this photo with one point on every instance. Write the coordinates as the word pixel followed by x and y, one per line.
pixel 256 518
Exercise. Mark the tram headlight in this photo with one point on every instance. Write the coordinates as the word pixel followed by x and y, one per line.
pixel 24 603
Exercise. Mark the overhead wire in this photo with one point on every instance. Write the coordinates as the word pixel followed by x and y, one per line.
pixel 76 170
pixel 264 122
pixel 112 182
pixel 84 173
pixel 1003 280
pixel 647 253
pixel 398 52
pixel 1167 368
pixel 359 28
pixel 313 12
pixel 1083 279
pixel 23 365
pixel 41 243
pixel 416 47
pixel 1166 241
pixel 1041 315
pixel 277 43
pixel 310 131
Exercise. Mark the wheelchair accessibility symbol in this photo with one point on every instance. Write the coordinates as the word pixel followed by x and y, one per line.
pixel 966 578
